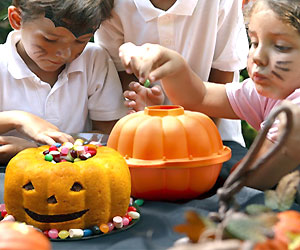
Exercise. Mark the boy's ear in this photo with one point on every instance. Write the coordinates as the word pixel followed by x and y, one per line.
pixel 14 17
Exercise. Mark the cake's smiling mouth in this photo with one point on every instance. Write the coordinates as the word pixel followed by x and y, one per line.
pixel 55 218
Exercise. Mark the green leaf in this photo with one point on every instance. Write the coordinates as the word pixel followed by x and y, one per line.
pixel 246 229
pixel 3 14
pixel 255 209
pixel 287 189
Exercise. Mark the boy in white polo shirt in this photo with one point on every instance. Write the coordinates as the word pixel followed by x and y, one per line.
pixel 210 35
pixel 48 68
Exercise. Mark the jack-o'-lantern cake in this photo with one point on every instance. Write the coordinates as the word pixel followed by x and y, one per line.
pixel 51 187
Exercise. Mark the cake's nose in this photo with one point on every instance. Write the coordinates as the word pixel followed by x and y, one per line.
pixel 52 200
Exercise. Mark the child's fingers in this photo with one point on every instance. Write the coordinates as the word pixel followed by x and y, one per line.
pixel 131 95
pixel 131 111
pixel 126 52
pixel 154 58
pixel 53 136
pixel 156 90
pixel 162 71
pixel 130 103
pixel 45 140
pixel 136 87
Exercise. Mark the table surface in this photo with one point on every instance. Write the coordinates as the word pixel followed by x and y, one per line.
pixel 155 228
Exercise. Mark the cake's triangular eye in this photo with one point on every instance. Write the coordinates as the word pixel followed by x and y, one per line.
pixel 28 186
pixel 76 187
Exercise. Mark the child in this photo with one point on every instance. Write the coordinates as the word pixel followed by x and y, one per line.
pixel 30 125
pixel 210 35
pixel 273 63
pixel 48 68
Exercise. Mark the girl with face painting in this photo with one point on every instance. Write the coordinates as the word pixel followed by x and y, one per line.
pixel 273 66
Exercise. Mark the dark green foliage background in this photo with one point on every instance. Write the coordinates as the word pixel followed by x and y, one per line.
pixel 4 25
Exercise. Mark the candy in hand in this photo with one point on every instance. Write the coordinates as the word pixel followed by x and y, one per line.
pixel 147 83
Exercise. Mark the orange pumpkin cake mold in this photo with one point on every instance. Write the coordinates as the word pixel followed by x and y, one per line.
pixel 172 153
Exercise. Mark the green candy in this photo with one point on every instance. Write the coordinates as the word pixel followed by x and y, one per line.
pixel 139 202
pixel 48 157
pixel 147 83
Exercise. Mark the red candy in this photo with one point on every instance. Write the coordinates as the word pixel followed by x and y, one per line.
pixel 131 208
pixel 3 213
pixel 52 148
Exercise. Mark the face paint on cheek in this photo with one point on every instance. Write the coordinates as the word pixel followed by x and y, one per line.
pixel 277 75
pixel 40 52
pixel 279 65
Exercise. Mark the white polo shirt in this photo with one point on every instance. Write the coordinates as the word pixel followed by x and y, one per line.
pixel 207 33
pixel 89 87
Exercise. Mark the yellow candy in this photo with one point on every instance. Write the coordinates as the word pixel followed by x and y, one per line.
pixel 63 234
pixel 78 142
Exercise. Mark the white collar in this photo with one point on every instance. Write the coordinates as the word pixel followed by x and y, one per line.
pixel 180 7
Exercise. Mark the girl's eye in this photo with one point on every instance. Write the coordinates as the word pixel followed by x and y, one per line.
pixel 253 44
pixel 282 48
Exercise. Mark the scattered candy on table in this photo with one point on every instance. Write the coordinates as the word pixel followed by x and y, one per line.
pixel 117 224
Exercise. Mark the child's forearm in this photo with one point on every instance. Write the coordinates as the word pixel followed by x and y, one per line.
pixel 184 87
pixel 9 120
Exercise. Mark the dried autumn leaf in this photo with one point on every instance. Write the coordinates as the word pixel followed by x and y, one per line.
pixel 271 199
pixel 267 220
pixel 193 228
pixel 255 209
pixel 284 196
pixel 246 229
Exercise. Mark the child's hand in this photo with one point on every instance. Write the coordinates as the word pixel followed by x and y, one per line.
pixel 11 145
pixel 150 61
pixel 40 130
pixel 139 96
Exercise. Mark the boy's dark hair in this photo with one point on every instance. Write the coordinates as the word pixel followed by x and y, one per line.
pixel 79 16
pixel 287 10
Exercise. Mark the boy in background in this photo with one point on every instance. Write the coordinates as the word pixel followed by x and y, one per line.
pixel 210 35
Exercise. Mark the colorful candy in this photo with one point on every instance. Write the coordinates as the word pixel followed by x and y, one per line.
pixel 117 223
pixel 104 228
pixel 70 152
pixel 76 233
pixel 63 234
pixel 53 233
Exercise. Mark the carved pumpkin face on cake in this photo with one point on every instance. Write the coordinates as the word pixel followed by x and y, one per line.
pixel 66 195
